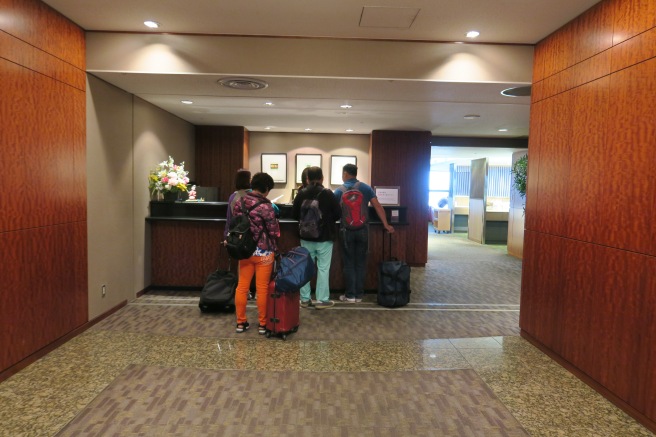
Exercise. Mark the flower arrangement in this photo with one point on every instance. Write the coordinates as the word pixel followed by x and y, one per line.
pixel 168 177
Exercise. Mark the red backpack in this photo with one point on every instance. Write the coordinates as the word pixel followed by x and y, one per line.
pixel 354 208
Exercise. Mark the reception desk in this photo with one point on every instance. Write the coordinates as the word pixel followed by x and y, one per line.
pixel 186 236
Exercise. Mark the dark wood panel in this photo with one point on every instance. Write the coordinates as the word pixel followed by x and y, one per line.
pixel 220 152
pixel 618 300
pixel 643 393
pixel 409 151
pixel 527 304
pixel 637 49
pixel 585 195
pixel 530 221
pixel 555 139
pixel 43 27
pixel 632 17
pixel 44 286
pixel 577 305
pixel 631 133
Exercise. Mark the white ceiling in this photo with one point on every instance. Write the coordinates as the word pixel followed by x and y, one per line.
pixel 301 101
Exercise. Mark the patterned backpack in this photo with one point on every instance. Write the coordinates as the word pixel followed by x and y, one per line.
pixel 354 208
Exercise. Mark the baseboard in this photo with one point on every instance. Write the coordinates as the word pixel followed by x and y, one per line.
pixel 596 386
pixel 55 344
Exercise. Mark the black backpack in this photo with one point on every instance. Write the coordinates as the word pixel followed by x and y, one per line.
pixel 240 241
pixel 309 225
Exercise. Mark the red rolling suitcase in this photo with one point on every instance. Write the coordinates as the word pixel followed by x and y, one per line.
pixel 282 312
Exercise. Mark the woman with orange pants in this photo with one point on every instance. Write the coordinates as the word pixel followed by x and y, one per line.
pixel 266 231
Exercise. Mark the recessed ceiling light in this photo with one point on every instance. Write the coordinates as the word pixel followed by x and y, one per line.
pixel 472 116
pixel 268 103
pixel 151 24
pixel 346 106
pixel 269 127
pixel 518 91
pixel 503 130
pixel 472 34
pixel 349 130
pixel 307 129
pixel 187 102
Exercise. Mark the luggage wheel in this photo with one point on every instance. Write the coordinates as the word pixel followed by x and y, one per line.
pixel 267 334
pixel 284 337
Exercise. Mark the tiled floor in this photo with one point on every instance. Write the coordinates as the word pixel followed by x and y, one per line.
pixel 447 367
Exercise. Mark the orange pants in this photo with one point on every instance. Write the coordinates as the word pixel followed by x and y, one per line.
pixel 261 267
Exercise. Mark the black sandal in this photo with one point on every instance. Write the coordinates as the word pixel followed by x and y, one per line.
pixel 241 327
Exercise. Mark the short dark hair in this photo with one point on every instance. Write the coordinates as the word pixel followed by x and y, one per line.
pixel 262 182
pixel 243 179
pixel 304 176
pixel 351 169
pixel 314 174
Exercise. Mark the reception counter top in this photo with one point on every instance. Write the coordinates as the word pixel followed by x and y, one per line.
pixel 186 238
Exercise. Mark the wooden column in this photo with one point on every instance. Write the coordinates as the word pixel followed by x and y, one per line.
pixel 402 158
pixel 220 152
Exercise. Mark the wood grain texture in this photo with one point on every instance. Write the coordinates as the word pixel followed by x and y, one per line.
pixel 220 152
pixel 634 50
pixel 43 288
pixel 533 178
pixel 409 151
pixel 553 180
pixel 588 155
pixel 41 26
pixel 632 17
pixel 631 137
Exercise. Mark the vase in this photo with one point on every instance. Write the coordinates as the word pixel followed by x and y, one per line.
pixel 170 196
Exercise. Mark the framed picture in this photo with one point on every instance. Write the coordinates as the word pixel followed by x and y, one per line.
pixel 275 164
pixel 304 161
pixel 388 195
pixel 337 162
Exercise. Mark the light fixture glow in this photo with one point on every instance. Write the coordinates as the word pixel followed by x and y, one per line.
pixel 472 34
pixel 307 129
pixel 151 24
pixel 503 130
pixel 269 127
pixel 187 102
pixel 472 116
pixel 349 130
pixel 346 106
pixel 268 103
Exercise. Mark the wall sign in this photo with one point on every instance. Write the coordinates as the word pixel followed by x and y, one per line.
pixel 388 195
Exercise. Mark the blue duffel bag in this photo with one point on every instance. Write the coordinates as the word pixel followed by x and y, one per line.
pixel 295 269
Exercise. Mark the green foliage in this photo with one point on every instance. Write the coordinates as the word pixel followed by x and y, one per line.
pixel 519 171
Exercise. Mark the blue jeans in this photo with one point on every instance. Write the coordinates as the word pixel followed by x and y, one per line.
pixel 355 246
pixel 322 251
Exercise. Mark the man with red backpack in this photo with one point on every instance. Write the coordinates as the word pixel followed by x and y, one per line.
pixel 354 197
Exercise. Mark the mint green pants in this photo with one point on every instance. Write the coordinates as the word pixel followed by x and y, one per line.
pixel 322 252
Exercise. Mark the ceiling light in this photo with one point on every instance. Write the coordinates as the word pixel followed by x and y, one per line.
pixel 242 83
pixel 503 130
pixel 151 24
pixel 187 102
pixel 472 116
pixel 349 130
pixel 307 129
pixel 346 106
pixel 472 34
pixel 519 91
pixel 268 103
pixel 269 127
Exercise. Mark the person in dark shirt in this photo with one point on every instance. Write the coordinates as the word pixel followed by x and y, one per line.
pixel 320 248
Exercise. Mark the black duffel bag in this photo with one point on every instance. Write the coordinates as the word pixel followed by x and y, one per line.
pixel 393 281
pixel 218 293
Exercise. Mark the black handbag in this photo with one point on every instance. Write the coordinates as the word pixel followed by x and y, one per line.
pixel 218 293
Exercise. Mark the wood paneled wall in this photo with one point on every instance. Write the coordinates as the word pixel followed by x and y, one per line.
pixel 588 287
pixel 43 232
pixel 220 152
pixel 402 158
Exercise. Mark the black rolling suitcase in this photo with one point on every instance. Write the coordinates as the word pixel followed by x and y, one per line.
pixel 393 280
pixel 218 293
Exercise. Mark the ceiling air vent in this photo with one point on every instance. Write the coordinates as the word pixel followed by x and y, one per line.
pixel 243 83
pixel 520 91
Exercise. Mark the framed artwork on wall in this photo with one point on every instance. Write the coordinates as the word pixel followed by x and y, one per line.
pixel 275 164
pixel 337 162
pixel 304 161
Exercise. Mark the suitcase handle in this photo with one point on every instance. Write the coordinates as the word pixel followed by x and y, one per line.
pixel 390 246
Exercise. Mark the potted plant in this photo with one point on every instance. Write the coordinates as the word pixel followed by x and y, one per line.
pixel 519 171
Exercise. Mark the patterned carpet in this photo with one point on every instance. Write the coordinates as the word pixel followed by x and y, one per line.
pixel 156 401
